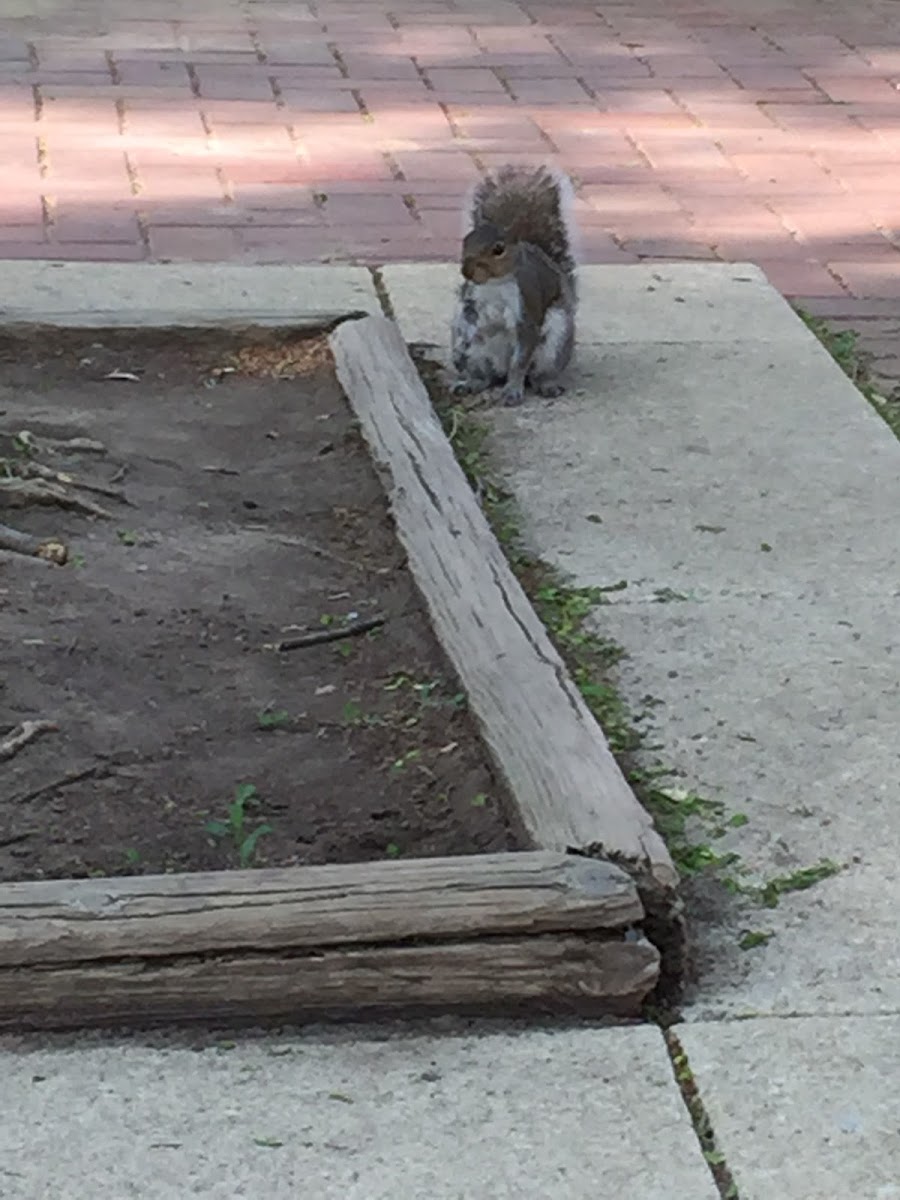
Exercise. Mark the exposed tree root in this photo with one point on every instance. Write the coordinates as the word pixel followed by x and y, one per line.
pixel 52 549
pixel 19 737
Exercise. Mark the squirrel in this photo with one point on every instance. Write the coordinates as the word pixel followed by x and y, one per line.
pixel 514 322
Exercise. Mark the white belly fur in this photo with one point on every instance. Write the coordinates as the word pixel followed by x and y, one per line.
pixel 484 330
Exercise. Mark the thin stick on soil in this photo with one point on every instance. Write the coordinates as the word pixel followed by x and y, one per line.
pixel 22 734
pixel 85 445
pixel 313 547
pixel 50 549
pixel 318 636
pixel 55 784
pixel 11 839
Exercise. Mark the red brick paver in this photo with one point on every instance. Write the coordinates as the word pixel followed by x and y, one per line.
pixel 350 130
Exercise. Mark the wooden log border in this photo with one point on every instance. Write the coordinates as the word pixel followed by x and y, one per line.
pixel 587 922
pixel 497 932
pixel 567 785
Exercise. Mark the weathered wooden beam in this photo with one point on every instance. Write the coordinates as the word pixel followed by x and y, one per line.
pixel 495 932
pixel 563 777
pixel 291 908
pixel 555 973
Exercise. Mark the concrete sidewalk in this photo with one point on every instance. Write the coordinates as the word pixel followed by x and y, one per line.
pixel 799 1109
pixel 440 1115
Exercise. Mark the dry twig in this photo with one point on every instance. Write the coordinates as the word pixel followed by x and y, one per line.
pixel 63 781
pixel 332 634
pixel 82 444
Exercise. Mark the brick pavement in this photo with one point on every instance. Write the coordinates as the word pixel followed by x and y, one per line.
pixel 349 130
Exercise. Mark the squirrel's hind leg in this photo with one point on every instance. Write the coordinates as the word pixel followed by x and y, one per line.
pixel 553 352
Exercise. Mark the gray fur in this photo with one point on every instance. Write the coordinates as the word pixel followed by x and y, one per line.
pixel 484 333
pixel 518 329
pixel 529 205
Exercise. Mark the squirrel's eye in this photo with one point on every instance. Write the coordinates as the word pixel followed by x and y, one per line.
pixel 498 249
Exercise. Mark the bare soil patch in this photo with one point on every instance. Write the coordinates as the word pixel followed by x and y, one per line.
pixel 243 511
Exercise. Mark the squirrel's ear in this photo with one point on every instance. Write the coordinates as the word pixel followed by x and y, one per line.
pixel 498 248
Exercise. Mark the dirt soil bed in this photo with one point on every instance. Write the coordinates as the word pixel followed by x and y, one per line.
pixel 243 510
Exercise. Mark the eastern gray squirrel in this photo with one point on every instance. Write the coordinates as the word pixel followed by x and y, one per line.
pixel 514 323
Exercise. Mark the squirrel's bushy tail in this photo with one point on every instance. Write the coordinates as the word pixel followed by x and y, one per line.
pixel 530 204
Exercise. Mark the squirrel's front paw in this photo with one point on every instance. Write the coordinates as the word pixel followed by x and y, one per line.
pixel 512 396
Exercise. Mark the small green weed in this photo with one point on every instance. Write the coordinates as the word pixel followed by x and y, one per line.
pixel 566 614
pixel 127 537
pixel 797 881
pixel 353 715
pixel 430 693
pixel 751 938
pixel 843 346
pixel 23 444
pixel 401 763
pixel 235 829
pixel 700 1119
pixel 392 850
pixel 273 718
pixel 667 595
pixel 567 608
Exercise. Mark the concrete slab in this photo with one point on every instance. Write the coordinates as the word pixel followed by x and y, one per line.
pixel 111 294
pixel 679 303
pixel 803 1109
pixel 747 494
pixel 698 457
pixel 782 711
pixel 351 1116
